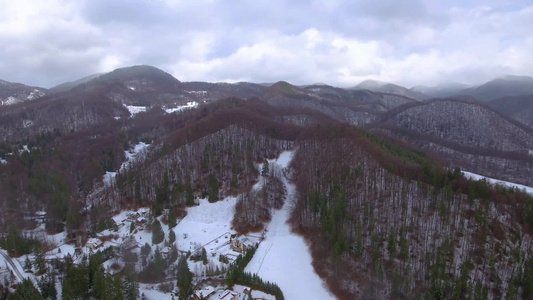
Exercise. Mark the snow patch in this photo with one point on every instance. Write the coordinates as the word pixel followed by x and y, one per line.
pixel 475 176
pixel 206 223
pixel 135 109
pixel 34 95
pixel 3 161
pixel 11 100
pixel 131 155
pixel 27 123
pixel 109 178
pixel 134 154
pixel 189 105
pixel 197 92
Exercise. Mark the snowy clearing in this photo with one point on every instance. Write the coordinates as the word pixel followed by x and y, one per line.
pixel 283 257
pixel 189 105
pixel 131 156
pixel 135 109
pixel 475 176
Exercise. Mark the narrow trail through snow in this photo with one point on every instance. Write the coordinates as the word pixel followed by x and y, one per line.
pixel 283 257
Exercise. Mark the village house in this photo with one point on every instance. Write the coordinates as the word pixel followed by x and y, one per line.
pixel 165 252
pixel 228 295
pixel 204 292
pixel 140 221
pixel 94 243
pixel 241 244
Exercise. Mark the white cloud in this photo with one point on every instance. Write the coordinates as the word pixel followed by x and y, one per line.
pixel 338 42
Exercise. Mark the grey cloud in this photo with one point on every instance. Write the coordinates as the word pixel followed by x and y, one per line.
pixel 448 36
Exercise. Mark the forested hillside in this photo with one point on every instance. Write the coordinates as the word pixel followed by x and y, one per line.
pixel 467 134
pixel 384 206
pixel 393 224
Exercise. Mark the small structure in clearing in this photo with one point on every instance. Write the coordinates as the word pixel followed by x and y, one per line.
pixel 241 244
pixel 94 243
pixel 204 292
pixel 228 295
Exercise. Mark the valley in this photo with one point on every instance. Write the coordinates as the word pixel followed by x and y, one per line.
pixel 135 185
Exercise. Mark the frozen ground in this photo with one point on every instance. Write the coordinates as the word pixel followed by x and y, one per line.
pixel 206 223
pixel 475 176
pixel 284 258
pixel 189 105
pixel 135 109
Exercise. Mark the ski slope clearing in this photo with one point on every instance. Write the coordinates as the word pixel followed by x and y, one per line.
pixel 131 155
pixel 283 257
pixel 475 176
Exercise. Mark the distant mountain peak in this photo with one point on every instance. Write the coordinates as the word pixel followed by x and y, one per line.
pixel 12 93
pixel 389 88
pixel 371 84
pixel 136 72
pixel 505 86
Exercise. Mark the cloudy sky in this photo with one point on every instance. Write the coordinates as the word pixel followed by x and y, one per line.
pixel 338 42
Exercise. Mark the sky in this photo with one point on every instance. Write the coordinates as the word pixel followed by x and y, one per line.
pixel 337 42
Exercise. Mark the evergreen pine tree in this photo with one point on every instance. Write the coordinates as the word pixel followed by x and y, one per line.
pixel 204 256
pixel 25 291
pixel 172 221
pixel 157 233
pixel 27 265
pixel 99 284
pixel 212 188
pixel 39 262
pixel 159 263
pixel 189 195
pixel 171 236
pixel 47 285
pixel 185 277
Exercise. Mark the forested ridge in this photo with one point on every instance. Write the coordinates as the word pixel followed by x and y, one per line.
pixel 394 224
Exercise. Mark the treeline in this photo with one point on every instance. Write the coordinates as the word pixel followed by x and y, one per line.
pixel 236 275
pixel 55 173
pixel 87 279
pixel 18 244
pixel 253 208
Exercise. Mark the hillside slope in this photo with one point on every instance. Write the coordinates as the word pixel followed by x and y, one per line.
pixel 468 135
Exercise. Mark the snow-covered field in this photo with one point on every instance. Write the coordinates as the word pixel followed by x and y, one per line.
pixel 284 258
pixel 189 105
pixel 475 176
pixel 208 224
pixel 135 109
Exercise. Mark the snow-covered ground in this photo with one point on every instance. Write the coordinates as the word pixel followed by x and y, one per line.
pixel 206 223
pixel 131 156
pixel 475 176
pixel 189 105
pixel 283 257
pixel 135 109
pixel 3 161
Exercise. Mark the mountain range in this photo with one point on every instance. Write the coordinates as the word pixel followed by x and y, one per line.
pixel 379 193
